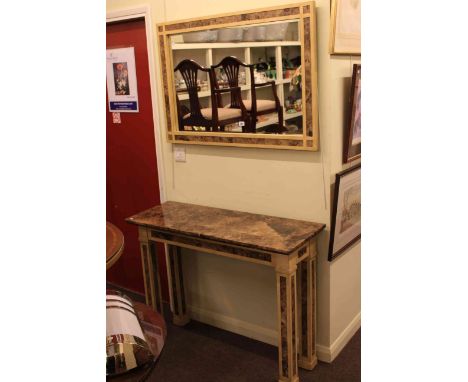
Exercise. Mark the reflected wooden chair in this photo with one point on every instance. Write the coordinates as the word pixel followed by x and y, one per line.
pixel 255 107
pixel 213 118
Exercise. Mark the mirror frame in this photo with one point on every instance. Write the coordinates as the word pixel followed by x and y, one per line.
pixel 306 16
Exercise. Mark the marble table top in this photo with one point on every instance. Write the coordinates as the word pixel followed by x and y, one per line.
pixel 268 233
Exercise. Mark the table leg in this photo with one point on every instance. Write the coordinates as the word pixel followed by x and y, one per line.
pixel 306 312
pixel 151 278
pixel 175 278
pixel 287 324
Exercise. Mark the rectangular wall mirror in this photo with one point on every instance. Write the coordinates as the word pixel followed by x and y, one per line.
pixel 244 79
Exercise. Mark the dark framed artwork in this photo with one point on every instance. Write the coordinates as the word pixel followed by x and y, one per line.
pixel 352 136
pixel 346 212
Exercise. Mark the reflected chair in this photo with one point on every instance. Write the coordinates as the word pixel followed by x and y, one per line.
pixel 255 107
pixel 212 118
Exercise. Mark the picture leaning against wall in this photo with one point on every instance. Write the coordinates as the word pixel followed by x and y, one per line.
pixel 346 213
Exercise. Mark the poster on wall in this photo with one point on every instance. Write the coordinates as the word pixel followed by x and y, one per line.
pixel 121 80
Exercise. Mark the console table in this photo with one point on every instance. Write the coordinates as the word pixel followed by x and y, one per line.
pixel 290 246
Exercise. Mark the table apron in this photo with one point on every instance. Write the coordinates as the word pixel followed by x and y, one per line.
pixel 214 247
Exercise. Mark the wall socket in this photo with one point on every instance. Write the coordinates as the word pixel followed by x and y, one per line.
pixel 179 153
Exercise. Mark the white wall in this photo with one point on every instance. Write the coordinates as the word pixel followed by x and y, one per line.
pixel 241 296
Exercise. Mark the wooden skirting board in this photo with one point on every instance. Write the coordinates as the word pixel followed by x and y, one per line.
pixel 329 353
pixel 235 325
pixel 269 336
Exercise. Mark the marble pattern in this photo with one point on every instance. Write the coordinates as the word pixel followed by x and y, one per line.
pixel 313 302
pixel 177 280
pixel 293 323
pixel 268 233
pixel 181 280
pixel 308 76
pixel 157 286
pixel 214 246
pixel 148 290
pixel 304 330
pixel 284 328
pixel 302 251
pixel 233 18
pixel 240 140
pixel 162 54
pixel 172 255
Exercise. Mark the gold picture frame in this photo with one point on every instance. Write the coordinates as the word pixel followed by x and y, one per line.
pixel 345 27
pixel 306 15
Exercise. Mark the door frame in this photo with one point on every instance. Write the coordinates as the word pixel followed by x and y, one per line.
pixel 144 11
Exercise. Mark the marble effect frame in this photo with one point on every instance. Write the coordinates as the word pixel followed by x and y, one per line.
pixel 309 139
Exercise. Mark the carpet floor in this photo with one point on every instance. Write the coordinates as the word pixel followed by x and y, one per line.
pixel 202 353
pixel 199 352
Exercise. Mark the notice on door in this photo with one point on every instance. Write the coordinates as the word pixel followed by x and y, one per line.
pixel 121 80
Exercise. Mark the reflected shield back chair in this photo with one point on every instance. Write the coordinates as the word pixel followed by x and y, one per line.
pixel 213 118
pixel 255 107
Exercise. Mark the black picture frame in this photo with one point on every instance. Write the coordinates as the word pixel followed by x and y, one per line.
pixel 346 181
pixel 352 150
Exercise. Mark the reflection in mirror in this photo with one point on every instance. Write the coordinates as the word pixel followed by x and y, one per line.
pixel 244 79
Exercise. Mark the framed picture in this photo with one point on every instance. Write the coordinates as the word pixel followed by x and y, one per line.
pixel 346 213
pixel 352 136
pixel 345 27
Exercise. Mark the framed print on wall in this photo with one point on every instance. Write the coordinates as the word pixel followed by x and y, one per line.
pixel 346 213
pixel 352 136
pixel 345 27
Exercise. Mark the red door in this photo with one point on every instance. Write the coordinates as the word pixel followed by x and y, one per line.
pixel 132 175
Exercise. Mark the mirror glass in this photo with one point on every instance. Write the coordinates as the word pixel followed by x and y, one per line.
pixel 272 75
